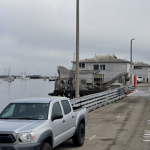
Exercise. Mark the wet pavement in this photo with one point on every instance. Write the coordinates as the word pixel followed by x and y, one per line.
pixel 141 91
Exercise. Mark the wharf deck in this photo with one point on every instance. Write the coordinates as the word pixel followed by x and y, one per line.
pixel 122 125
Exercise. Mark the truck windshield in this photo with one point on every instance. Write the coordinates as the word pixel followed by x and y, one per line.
pixel 31 111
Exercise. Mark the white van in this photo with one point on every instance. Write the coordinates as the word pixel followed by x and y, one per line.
pixel 139 79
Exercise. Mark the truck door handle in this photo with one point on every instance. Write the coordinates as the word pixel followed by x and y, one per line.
pixel 72 116
pixel 64 121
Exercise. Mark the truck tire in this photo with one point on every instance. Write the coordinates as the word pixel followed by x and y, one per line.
pixel 46 146
pixel 78 139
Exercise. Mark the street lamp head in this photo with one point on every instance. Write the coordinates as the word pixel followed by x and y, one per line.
pixel 133 39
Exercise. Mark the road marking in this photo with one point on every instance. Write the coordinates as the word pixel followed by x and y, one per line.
pixel 92 137
pixel 146 136
pixel 146 140
pixel 120 116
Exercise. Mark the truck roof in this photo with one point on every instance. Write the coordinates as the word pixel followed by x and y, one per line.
pixel 38 99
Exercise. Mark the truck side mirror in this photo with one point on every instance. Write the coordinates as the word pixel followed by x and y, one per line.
pixel 57 116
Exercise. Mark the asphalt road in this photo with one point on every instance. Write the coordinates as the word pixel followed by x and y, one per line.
pixel 122 125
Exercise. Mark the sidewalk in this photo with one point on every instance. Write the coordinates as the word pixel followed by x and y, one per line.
pixel 145 84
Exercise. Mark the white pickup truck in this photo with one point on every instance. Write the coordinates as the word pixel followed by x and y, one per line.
pixel 41 124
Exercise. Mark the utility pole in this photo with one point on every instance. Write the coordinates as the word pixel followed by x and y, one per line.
pixel 77 50
pixel 131 63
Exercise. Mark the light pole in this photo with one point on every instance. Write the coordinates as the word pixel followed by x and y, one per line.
pixel 131 63
pixel 77 50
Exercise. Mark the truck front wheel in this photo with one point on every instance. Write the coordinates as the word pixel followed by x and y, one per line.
pixel 46 146
pixel 78 139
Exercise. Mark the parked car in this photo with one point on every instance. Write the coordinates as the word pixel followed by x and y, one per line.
pixel 41 123
pixel 139 79
pixel 115 85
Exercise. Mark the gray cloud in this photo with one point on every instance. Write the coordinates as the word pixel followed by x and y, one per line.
pixel 42 35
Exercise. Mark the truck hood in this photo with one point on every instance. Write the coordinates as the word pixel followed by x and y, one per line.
pixel 19 126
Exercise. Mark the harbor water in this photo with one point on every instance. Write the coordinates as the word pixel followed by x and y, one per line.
pixel 19 89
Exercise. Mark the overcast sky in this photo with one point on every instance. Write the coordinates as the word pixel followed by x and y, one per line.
pixel 40 35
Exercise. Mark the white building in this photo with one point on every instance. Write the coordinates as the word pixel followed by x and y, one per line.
pixel 142 69
pixel 109 66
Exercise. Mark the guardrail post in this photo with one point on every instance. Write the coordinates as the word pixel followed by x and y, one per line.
pixel 126 87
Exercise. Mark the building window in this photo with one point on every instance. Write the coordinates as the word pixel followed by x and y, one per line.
pixel 102 67
pixel 137 67
pixel 82 65
pixel 97 79
pixel 96 67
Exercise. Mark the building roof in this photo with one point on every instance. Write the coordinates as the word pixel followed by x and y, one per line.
pixel 141 64
pixel 104 58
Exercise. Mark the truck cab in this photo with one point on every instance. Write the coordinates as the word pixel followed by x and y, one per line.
pixel 41 123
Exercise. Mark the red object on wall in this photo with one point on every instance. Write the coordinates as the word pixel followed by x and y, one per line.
pixel 135 80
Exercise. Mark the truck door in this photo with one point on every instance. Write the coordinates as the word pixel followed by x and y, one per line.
pixel 69 118
pixel 57 125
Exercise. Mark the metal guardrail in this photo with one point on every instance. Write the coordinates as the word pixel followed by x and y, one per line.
pixel 94 101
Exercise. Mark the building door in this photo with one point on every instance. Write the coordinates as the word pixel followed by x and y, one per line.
pixel 98 78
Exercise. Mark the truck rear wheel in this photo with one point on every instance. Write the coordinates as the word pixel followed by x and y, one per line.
pixel 46 146
pixel 78 139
